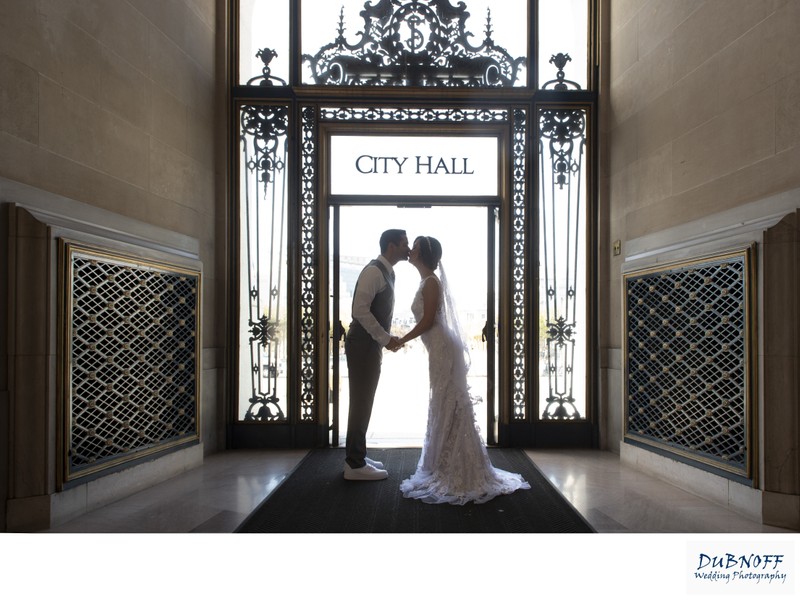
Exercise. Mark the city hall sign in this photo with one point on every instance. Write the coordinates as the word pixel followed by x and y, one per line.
pixel 421 165
pixel 386 165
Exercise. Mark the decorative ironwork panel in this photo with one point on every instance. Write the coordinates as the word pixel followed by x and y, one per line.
pixel 413 115
pixel 560 83
pixel 562 260
pixel 263 227
pixel 132 344
pixel 518 245
pixel 308 269
pixel 420 43
pixel 266 79
pixel 687 360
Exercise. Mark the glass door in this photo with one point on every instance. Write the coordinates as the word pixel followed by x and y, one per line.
pixel 468 238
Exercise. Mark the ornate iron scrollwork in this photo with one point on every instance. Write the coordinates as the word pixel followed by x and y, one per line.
pixel 263 331
pixel 519 219
pixel 266 126
pixel 561 221
pixel 560 84
pixel 563 128
pixel 263 136
pixel 266 79
pixel 308 269
pixel 421 115
pixel 414 43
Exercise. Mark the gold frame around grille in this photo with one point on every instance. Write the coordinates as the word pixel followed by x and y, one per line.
pixel 747 468
pixel 138 369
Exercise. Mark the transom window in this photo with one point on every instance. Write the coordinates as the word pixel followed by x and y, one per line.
pixel 479 43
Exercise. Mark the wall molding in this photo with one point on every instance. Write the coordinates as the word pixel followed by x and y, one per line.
pixel 100 224
pixel 735 227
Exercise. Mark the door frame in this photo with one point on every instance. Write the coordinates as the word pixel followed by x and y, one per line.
pixel 497 207
pixel 308 321
pixel 338 330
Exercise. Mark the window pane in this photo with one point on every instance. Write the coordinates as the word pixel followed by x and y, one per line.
pixel 400 410
pixel 563 28
pixel 563 323
pixel 263 42
pixel 415 44
pixel 262 273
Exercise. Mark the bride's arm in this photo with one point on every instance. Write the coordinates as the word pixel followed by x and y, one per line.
pixel 430 300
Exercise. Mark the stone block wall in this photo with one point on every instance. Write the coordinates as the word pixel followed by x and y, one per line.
pixel 700 116
pixel 120 105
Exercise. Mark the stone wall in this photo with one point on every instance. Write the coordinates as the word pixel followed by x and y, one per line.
pixel 699 116
pixel 119 105
pixel 700 134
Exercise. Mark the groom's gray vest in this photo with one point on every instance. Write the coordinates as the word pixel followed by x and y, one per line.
pixel 382 306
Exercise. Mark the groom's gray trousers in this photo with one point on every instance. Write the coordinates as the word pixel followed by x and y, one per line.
pixel 364 356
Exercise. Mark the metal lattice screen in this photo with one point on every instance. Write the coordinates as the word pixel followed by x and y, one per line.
pixel 688 360
pixel 132 349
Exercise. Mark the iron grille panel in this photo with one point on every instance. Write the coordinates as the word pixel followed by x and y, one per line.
pixel 415 43
pixel 132 332
pixel 308 270
pixel 264 218
pixel 687 360
pixel 413 115
pixel 562 262
pixel 519 220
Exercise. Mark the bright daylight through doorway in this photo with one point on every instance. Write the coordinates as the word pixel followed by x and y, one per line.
pixel 399 416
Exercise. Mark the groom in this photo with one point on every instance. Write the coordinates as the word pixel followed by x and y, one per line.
pixel 373 305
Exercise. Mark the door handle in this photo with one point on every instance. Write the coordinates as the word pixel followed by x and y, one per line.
pixel 338 331
pixel 487 331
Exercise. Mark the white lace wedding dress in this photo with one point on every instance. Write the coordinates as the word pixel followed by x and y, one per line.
pixel 454 467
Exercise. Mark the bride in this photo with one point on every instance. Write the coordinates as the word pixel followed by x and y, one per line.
pixel 454 467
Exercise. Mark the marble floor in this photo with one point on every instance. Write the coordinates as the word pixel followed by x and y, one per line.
pixel 218 496
pixel 183 551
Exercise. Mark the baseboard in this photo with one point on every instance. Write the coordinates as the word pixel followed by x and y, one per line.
pixel 733 495
pixel 39 513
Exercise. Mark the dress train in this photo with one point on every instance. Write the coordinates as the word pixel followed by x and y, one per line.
pixel 454 466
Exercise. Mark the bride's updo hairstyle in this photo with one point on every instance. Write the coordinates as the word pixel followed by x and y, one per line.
pixel 430 251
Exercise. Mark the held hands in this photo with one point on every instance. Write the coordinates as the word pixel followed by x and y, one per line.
pixel 394 344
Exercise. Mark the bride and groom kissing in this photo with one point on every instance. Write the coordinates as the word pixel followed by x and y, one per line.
pixel 454 466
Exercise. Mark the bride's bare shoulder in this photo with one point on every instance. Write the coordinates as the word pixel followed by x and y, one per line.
pixel 432 284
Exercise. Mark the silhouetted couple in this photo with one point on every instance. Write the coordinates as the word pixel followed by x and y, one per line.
pixel 454 466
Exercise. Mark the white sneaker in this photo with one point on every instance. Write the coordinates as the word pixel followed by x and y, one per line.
pixel 365 473
pixel 375 463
